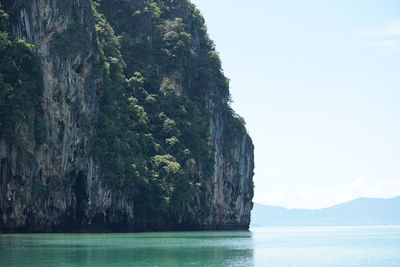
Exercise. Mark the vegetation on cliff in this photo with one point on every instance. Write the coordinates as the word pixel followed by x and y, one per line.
pixel 152 133
pixel 158 78
pixel 21 83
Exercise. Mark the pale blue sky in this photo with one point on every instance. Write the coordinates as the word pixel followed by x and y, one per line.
pixel 318 83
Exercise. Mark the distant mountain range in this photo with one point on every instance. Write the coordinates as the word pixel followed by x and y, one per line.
pixel 362 211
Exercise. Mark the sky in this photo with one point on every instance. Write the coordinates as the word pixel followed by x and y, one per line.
pixel 318 83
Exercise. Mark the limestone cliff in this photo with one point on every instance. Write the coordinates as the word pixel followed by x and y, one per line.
pixel 69 182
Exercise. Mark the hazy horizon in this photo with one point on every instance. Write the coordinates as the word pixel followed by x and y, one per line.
pixel 318 85
pixel 347 201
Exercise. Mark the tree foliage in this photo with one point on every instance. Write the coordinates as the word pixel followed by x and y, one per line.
pixel 158 73
pixel 21 82
pixel 153 130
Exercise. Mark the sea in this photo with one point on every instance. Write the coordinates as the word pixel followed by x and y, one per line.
pixel 275 246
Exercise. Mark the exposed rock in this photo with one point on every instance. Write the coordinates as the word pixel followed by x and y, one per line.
pixel 58 186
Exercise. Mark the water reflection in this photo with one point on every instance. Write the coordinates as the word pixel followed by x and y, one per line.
pixel 277 247
pixel 144 249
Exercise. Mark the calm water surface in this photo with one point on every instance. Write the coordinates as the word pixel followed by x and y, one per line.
pixel 305 246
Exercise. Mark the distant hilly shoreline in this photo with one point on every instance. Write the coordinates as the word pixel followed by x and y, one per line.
pixel 361 211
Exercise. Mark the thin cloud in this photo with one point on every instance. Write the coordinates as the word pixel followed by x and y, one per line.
pixel 386 37
pixel 392 29
pixel 385 43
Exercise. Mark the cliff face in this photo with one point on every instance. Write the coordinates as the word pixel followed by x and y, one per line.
pixel 63 183
pixel 41 187
pixel 229 190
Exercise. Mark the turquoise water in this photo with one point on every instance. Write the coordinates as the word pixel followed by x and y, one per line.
pixel 305 246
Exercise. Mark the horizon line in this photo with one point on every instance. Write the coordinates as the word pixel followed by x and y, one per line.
pixel 340 203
